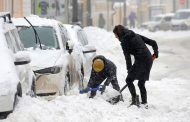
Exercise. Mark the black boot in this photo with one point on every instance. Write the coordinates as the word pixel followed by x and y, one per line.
pixel 135 101
pixel 92 94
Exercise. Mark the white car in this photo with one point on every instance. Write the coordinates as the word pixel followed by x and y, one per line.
pixel 181 20
pixel 82 54
pixel 16 75
pixel 46 41
pixel 161 22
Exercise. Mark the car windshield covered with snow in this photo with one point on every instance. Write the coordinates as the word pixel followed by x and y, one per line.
pixel 47 36
pixel 46 42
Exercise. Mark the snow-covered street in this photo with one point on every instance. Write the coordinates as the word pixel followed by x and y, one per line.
pixel 168 87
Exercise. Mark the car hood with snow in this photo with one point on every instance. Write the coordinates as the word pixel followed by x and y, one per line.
pixel 41 59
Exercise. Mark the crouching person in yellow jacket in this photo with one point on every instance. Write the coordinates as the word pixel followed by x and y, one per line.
pixel 102 69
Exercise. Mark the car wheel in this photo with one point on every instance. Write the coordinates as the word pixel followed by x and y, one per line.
pixel 184 27
pixel 67 83
pixel 156 29
pixel 4 115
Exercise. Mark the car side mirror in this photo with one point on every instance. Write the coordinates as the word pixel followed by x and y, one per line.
pixel 89 49
pixel 68 48
pixel 22 58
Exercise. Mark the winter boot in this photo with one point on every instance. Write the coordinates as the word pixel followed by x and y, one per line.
pixel 135 101
pixel 144 105
pixel 92 94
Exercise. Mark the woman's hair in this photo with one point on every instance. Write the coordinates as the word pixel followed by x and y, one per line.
pixel 119 30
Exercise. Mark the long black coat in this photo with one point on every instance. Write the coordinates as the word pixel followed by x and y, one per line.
pixel 109 73
pixel 134 44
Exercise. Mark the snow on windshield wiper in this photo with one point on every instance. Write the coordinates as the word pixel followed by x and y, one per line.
pixel 35 32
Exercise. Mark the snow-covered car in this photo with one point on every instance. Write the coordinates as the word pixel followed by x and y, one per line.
pixel 181 20
pixel 82 54
pixel 161 22
pixel 46 42
pixel 16 75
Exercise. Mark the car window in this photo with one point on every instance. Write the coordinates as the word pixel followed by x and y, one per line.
pixel 167 19
pixel 182 15
pixel 82 37
pixel 46 34
pixel 17 39
pixel 64 35
pixel 11 44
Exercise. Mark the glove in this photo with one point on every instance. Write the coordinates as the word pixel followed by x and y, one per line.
pixel 86 90
pixel 155 55
pixel 102 89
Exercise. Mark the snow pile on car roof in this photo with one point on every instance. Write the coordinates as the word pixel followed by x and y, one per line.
pixel 34 20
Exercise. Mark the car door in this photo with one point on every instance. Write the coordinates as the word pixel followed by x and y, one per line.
pixel 89 52
pixel 166 23
pixel 23 71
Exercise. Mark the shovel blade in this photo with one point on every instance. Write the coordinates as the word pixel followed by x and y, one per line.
pixel 115 99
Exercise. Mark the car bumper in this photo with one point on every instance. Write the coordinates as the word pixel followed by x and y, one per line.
pixel 48 86
pixel 6 103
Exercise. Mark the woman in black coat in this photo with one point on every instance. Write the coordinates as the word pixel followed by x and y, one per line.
pixel 135 44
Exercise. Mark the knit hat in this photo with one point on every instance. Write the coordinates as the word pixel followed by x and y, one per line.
pixel 98 65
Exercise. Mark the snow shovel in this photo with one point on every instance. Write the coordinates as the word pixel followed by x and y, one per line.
pixel 117 98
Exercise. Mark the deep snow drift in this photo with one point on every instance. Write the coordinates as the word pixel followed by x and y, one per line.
pixel 168 88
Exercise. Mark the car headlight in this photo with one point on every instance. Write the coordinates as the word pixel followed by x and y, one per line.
pixel 49 70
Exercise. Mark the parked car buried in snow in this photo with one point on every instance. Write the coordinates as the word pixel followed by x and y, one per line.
pixel 181 20
pixel 51 62
pixel 82 54
pixel 161 22
pixel 16 75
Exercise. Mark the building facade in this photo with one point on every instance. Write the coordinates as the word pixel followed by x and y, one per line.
pixel 17 8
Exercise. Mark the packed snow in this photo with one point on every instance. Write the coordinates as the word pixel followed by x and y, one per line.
pixel 168 88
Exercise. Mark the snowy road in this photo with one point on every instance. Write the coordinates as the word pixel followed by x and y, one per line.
pixel 168 88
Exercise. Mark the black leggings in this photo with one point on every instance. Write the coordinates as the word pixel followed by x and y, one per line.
pixel 141 85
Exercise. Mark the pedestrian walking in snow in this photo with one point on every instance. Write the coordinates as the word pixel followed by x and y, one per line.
pixel 132 17
pixel 101 21
pixel 135 44
pixel 102 69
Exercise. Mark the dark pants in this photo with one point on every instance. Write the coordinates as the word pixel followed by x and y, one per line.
pixel 114 83
pixel 141 85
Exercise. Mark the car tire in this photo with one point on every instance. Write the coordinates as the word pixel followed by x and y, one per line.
pixel 4 115
pixel 184 27
pixel 67 85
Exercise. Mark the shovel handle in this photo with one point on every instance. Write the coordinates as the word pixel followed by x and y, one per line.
pixel 123 88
